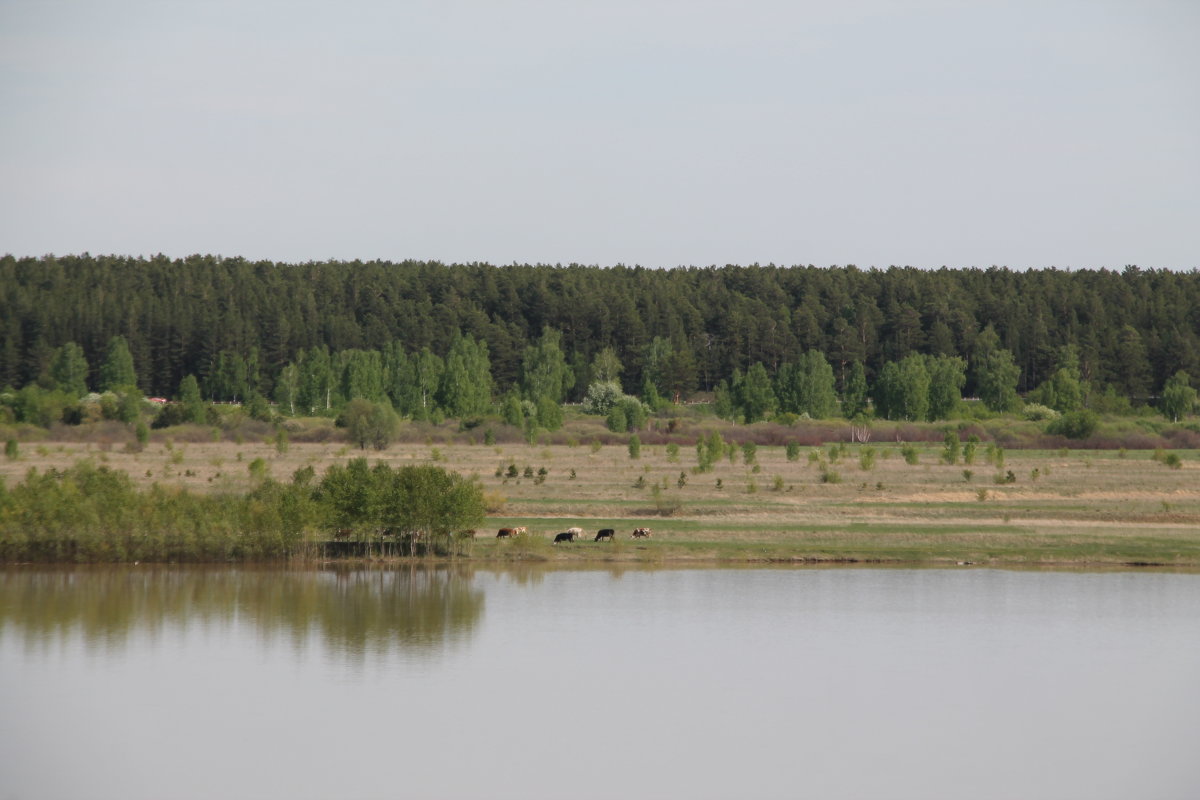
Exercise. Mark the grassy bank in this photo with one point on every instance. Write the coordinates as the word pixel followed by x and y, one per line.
pixel 864 503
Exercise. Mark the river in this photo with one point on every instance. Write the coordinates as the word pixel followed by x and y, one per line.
pixel 144 682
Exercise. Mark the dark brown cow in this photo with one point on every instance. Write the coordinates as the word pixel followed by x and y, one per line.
pixel 641 533
pixel 565 536
pixel 605 534
pixel 505 533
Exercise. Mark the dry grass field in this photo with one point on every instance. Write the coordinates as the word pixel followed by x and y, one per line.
pixel 831 504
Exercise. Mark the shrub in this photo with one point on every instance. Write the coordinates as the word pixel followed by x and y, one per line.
pixel 793 451
pixel 1036 412
pixel 1074 424
pixel 11 449
pixel 866 458
pixel 910 453
pixel 635 447
pixel 672 452
pixel 951 449
pixel 369 423
pixel 968 453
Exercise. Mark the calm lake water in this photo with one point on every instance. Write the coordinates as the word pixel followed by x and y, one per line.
pixel 746 683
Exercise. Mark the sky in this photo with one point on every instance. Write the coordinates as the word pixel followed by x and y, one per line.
pixel 959 133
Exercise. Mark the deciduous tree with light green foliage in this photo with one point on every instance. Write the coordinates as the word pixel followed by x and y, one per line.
pixel 466 386
pixel 947 374
pixel 996 373
pixel 117 369
pixel 69 370
pixel 856 394
pixel 315 392
pixel 606 366
pixel 362 375
pixel 807 387
pixel 1178 397
pixel 544 370
pixel 753 395
pixel 287 387
pixel 902 390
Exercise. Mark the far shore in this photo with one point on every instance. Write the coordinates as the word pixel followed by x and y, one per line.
pixel 859 504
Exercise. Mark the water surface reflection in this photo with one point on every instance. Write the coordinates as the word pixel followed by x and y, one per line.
pixel 412 610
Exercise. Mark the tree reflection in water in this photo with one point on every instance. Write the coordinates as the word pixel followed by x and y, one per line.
pixel 356 613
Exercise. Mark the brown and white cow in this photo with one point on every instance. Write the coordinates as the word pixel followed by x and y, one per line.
pixel 641 533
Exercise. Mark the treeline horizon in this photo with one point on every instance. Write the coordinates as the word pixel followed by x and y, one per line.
pixel 684 330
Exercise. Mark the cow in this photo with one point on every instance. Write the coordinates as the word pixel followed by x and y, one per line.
pixel 521 531
pixel 565 536
pixel 641 533
pixel 504 533
pixel 605 534
pixel 575 531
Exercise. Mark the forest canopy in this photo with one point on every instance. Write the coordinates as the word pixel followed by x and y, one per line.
pixel 461 336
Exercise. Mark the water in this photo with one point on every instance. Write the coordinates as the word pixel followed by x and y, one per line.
pixel 152 683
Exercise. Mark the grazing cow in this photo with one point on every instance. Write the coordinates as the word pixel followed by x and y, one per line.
pixel 605 533
pixel 521 531
pixel 565 536
pixel 641 533
pixel 576 531
pixel 504 533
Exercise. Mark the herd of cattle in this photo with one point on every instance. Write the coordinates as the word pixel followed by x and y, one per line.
pixel 572 534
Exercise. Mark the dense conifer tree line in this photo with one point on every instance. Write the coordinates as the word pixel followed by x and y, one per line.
pixel 458 336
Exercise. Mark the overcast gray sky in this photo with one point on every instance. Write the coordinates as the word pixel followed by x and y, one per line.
pixel 654 132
